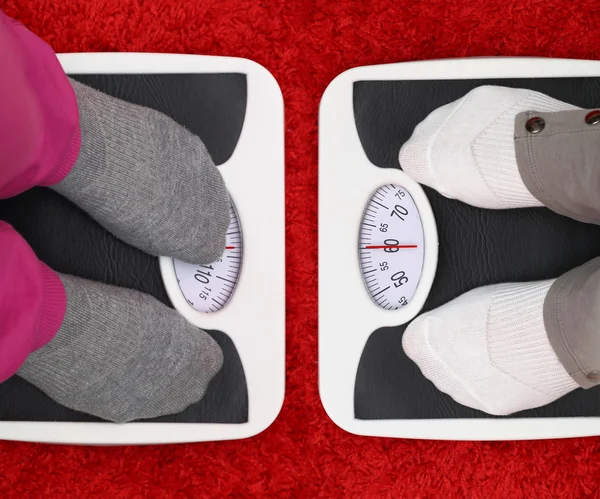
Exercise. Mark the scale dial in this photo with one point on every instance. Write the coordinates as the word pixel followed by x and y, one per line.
pixel 208 288
pixel 391 247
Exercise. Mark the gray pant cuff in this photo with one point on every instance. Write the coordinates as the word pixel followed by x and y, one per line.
pixel 558 155
pixel 572 322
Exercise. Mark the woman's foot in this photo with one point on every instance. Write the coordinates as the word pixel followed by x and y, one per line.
pixel 122 355
pixel 147 179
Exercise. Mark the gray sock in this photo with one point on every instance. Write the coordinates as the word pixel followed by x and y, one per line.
pixel 147 179
pixel 122 355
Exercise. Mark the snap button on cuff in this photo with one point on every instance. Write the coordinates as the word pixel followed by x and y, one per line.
pixel 593 376
pixel 593 117
pixel 536 125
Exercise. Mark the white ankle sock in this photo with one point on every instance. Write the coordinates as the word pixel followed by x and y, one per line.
pixel 488 349
pixel 465 149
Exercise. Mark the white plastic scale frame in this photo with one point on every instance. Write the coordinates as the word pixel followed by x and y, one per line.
pixel 254 319
pixel 347 315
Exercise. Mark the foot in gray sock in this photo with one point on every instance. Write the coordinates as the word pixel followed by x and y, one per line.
pixel 122 355
pixel 147 179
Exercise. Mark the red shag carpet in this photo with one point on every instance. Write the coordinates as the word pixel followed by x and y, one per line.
pixel 305 44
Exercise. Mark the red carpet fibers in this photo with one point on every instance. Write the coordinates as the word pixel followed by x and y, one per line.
pixel 305 44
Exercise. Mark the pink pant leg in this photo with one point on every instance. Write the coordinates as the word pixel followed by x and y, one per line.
pixel 39 143
pixel 32 302
pixel 39 121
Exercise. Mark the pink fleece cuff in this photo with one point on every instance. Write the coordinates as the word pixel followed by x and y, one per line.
pixel 39 125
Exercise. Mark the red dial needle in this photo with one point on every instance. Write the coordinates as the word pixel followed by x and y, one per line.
pixel 401 246
pixel 229 247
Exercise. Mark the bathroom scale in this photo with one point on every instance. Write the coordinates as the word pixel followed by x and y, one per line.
pixel 391 249
pixel 235 106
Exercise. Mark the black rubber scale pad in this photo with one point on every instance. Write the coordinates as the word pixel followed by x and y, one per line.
pixel 211 105
pixel 477 247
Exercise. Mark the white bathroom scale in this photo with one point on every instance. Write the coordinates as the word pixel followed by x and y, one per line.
pixel 390 249
pixel 236 107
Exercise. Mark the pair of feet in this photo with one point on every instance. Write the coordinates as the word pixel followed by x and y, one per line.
pixel 488 349
pixel 120 354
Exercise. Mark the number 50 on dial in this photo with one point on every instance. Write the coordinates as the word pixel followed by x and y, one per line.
pixel 391 247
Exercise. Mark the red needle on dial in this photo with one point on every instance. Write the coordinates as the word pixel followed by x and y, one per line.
pixel 401 246
pixel 229 247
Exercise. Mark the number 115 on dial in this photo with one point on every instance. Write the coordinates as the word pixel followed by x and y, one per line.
pixel 391 247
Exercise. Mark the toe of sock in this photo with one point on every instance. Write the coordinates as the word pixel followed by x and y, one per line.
pixel 190 384
pixel 413 155
pixel 219 212
pixel 416 154
pixel 218 226
pixel 211 356
pixel 418 343
pixel 204 239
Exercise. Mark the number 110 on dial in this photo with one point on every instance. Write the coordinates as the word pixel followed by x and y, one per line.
pixel 391 247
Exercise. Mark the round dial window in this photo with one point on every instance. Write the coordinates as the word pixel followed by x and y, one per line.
pixel 391 247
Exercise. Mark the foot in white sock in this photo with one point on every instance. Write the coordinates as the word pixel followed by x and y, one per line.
pixel 465 149
pixel 488 349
